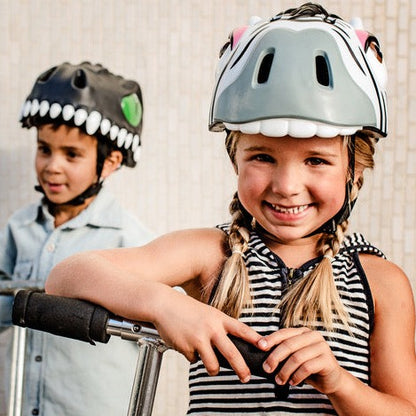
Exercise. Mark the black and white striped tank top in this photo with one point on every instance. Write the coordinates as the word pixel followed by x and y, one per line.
pixel 225 394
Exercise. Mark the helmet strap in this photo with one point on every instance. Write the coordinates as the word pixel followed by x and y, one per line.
pixel 78 200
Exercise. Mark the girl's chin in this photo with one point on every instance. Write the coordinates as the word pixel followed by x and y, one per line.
pixel 284 234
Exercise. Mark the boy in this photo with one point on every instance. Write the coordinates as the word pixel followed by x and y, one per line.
pixel 88 123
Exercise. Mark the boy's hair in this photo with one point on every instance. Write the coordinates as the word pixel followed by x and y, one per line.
pixel 89 97
pixel 232 293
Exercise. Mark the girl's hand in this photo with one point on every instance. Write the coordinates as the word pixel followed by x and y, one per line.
pixel 308 359
pixel 194 329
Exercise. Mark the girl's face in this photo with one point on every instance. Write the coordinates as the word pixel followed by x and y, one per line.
pixel 290 185
pixel 65 163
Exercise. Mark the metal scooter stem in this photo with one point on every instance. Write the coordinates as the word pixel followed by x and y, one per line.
pixel 145 381
pixel 151 349
pixel 17 371
pixel 10 288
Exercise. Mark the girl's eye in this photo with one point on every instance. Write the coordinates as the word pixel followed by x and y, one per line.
pixel 316 161
pixel 262 157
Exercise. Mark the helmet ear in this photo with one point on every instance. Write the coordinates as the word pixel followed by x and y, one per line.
pixel 374 56
pixel 236 35
pixel 232 41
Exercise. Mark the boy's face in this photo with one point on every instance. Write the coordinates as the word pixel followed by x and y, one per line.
pixel 66 160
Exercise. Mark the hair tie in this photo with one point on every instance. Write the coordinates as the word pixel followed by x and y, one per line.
pixel 237 250
pixel 327 256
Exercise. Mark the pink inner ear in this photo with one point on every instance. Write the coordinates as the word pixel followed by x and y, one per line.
pixel 237 33
pixel 362 36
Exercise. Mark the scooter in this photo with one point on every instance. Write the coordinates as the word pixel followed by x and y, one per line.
pixel 84 321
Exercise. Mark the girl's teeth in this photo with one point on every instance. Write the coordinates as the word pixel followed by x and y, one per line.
pixel 293 210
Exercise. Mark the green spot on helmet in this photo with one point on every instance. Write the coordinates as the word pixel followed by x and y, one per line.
pixel 132 109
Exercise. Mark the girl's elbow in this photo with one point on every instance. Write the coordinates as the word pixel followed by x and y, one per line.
pixel 56 281
pixel 60 279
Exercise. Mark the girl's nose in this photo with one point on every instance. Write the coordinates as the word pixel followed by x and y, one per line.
pixel 287 181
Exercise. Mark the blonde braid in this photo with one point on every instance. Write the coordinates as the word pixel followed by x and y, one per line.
pixel 233 293
pixel 315 297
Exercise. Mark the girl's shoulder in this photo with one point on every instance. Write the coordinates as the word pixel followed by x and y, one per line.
pixel 357 243
pixel 380 272
pixel 388 283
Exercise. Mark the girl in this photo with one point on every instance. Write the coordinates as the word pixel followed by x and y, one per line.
pixel 302 98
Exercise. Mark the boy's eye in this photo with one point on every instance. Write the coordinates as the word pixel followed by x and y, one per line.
pixel 72 155
pixel 43 149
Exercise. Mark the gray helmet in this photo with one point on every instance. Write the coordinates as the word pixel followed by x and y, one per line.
pixel 303 73
pixel 300 75
pixel 92 98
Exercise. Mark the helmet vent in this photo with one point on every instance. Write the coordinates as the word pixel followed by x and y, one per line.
pixel 46 75
pixel 80 79
pixel 323 72
pixel 264 69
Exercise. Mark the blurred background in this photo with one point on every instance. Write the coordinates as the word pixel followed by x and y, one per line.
pixel 184 178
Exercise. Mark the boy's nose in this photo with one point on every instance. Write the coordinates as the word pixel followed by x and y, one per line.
pixel 53 164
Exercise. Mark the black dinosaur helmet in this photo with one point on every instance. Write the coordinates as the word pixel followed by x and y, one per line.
pixel 93 99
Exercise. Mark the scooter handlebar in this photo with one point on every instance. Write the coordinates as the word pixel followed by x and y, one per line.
pixel 67 317
pixel 84 321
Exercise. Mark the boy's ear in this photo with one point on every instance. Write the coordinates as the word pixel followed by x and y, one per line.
pixel 111 163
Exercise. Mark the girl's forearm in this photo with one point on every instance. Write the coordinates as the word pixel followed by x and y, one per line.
pixel 357 399
pixel 94 278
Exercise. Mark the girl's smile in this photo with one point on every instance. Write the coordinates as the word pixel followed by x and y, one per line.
pixel 288 213
pixel 291 186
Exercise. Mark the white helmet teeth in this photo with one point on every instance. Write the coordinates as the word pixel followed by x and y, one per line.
pixel 281 127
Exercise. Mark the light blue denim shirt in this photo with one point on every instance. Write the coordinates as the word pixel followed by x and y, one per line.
pixel 63 376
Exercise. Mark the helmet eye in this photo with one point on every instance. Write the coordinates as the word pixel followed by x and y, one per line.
pixel 323 74
pixel 264 69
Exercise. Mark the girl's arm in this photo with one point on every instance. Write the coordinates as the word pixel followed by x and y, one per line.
pixel 136 283
pixel 392 361
pixel 393 357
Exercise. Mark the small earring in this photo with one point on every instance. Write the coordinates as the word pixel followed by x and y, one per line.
pixel 253 223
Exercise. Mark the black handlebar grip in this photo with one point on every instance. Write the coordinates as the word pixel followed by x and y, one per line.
pixel 71 318
pixel 255 358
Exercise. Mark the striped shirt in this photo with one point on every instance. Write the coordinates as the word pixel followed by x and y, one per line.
pixel 268 275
